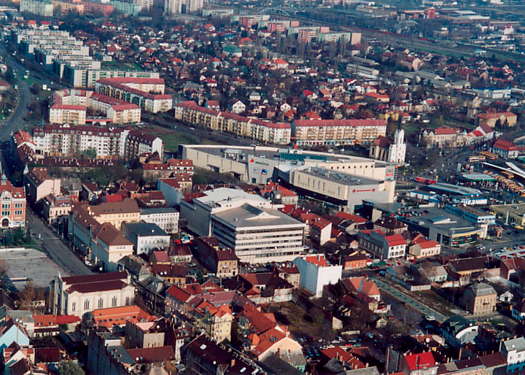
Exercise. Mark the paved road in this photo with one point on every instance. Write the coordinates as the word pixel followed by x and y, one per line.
pixel 54 247
pixel 408 300
pixel 16 120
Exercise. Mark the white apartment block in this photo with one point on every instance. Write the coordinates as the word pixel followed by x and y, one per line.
pixel 71 140
pixel 39 7
pixel 167 218
pixel 70 106
pixel 316 273
pixel 172 7
pixel 335 132
pixel 67 56
pixel 148 93
pixel 263 131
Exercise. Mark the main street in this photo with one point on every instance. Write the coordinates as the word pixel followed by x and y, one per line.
pixel 15 121
pixel 54 247
pixel 409 301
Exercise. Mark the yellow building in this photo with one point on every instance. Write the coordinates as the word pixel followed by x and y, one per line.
pixel 115 213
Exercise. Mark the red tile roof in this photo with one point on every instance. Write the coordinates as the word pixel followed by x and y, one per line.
pixel 420 361
pixel 503 144
pixel 445 131
pixel 495 115
pixel 319 260
pixel 348 122
pixel 362 285
pixel 395 240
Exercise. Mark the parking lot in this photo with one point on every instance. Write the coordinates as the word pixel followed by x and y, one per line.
pixel 29 264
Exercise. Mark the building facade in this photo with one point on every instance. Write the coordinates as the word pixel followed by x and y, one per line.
pixel 316 273
pixel 77 295
pixel 229 122
pixel 148 93
pixel 334 132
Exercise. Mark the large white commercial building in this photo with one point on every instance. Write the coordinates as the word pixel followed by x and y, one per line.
pixel 341 180
pixel 259 235
pixel 248 223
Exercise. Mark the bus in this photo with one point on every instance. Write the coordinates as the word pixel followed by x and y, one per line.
pixel 476 158
pixel 489 155
pixel 425 180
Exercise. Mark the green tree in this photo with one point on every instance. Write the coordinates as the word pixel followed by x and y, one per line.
pixel 69 368
pixel 90 153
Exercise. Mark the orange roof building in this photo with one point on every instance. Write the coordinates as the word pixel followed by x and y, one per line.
pixel 119 316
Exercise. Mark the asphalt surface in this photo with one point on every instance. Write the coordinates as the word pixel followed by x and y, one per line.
pixel 54 247
pixel 409 301
pixel 16 120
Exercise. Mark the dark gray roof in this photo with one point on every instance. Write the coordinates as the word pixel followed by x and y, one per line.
pixel 134 230
pixel 157 210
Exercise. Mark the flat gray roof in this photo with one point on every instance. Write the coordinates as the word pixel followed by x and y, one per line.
pixel 251 216
pixel 222 195
pixel 438 217
pixel 284 155
pixel 339 177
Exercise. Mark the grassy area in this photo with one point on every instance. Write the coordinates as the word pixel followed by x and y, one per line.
pixel 121 66
pixel 299 321
pixel 172 140
pixel 435 301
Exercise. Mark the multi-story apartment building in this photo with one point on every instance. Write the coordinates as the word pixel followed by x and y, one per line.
pixel 146 92
pixel 39 184
pixel 172 7
pixel 64 55
pixel 383 246
pixel 107 142
pixel 13 201
pixel 263 131
pixel 138 142
pixel 333 132
pixel 59 140
pixel 70 106
pixel 42 8
pixel 316 273
pixel 77 295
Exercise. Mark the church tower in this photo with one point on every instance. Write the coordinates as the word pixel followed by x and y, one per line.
pixel 398 149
